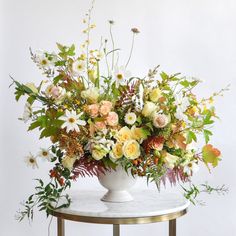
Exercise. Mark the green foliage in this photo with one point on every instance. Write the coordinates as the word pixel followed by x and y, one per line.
pixel 47 198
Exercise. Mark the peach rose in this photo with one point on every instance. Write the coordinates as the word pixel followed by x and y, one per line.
pixel 105 107
pixel 93 110
pixel 100 125
pixel 112 118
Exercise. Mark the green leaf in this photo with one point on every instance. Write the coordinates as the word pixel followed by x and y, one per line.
pixel 190 137
pixel 49 131
pixel 207 134
pixel 57 78
pixel 34 125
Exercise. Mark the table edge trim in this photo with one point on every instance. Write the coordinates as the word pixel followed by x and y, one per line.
pixel 122 220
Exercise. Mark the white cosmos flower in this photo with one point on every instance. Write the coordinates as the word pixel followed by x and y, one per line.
pixel 191 168
pixel 121 75
pixel 45 154
pixel 78 67
pixel 27 112
pixel 31 161
pixel 181 102
pixel 45 60
pixel 72 121
pixel 130 118
pixel 179 114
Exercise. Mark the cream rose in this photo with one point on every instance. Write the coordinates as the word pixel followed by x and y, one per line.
pixel 155 95
pixel 138 133
pixel 170 160
pixel 116 151
pixel 112 118
pixel 131 149
pixel 90 94
pixel 160 120
pixel 98 154
pixel 124 134
pixel 68 162
pixel 148 109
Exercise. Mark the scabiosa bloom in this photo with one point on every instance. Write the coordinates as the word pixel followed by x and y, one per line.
pixel 72 121
pixel 160 120
pixel 130 118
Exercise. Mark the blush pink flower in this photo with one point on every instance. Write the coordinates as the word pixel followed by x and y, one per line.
pixel 93 110
pixel 55 92
pixel 112 118
pixel 105 107
pixel 100 125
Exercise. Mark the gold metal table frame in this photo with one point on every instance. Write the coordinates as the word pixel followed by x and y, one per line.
pixel 116 222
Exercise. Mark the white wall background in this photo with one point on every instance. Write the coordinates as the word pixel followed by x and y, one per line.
pixel 196 37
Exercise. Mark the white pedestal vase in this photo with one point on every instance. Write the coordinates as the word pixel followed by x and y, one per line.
pixel 118 182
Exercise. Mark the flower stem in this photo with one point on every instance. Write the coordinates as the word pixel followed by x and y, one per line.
pixel 131 51
pixel 113 47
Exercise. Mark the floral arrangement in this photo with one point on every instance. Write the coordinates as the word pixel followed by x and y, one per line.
pixel 97 120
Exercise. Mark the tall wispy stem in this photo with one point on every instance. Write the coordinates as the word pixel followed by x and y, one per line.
pixel 88 35
pixel 113 44
pixel 135 31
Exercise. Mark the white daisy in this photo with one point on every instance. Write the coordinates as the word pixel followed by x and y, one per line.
pixel 191 168
pixel 130 118
pixel 45 154
pixel 72 121
pixel 121 75
pixel 31 161
pixel 27 112
pixel 78 67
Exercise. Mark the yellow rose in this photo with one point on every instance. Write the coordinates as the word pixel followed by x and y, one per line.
pixel 155 94
pixel 68 162
pixel 98 154
pixel 32 87
pixel 124 134
pixel 148 109
pixel 138 133
pixel 117 152
pixel 131 149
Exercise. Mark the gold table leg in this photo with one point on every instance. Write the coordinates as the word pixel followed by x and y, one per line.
pixel 116 230
pixel 60 227
pixel 172 227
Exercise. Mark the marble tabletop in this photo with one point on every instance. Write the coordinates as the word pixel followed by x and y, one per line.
pixel 146 203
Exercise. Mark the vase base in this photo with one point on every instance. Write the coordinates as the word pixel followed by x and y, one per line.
pixel 117 196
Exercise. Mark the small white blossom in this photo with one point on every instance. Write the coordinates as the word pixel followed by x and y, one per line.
pixel 27 112
pixel 31 161
pixel 78 67
pixel 45 154
pixel 72 121
pixel 121 75
pixel 191 168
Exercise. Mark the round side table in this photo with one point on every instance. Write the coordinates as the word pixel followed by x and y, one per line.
pixel 148 207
